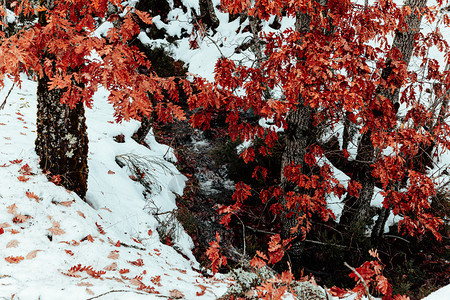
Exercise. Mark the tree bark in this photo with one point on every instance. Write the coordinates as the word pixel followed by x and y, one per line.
pixel 208 13
pixel 299 136
pixel 356 208
pixel 62 142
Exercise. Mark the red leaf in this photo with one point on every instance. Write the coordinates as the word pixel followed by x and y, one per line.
pixel 32 196
pixel 144 16
pixel 14 259
pixel 25 170
pixel 139 262
pixel 23 178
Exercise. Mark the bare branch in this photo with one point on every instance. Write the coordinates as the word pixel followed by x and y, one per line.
pixel 360 278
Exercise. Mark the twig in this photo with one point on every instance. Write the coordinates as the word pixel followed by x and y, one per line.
pixel 360 278
pixel 4 101
pixel 123 291
pixel 243 233
pixel 397 237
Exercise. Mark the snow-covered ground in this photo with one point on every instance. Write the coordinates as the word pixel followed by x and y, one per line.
pixel 47 231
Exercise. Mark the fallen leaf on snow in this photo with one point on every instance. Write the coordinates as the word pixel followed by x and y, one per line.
pixel 32 196
pixel 32 254
pixel 111 267
pixel 12 244
pixel 66 203
pixel 113 255
pixel 12 209
pixel 56 230
pixel 90 292
pixel 176 294
pixel 14 259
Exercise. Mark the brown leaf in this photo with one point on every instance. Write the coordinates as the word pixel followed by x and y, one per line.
pixel 12 244
pixel 56 230
pixel 113 255
pixel 66 203
pixel 81 214
pixel 111 267
pixel 135 281
pixel 19 218
pixel 12 209
pixel 176 294
pixel 85 284
pixel 90 292
pixel 111 172
pixel 32 196
pixel 32 254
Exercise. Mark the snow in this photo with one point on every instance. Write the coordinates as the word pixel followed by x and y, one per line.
pixel 51 233
pixel 441 294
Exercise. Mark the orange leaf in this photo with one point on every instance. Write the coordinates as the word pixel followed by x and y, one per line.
pixel 12 209
pixel 202 292
pixel 32 196
pixel 19 218
pixel 22 178
pixel 14 259
pixel 69 252
pixel 144 16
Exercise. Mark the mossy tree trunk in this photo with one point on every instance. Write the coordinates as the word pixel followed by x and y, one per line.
pixel 62 142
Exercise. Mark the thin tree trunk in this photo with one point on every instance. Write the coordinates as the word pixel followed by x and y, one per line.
pixel 356 208
pixel 299 136
pixel 208 13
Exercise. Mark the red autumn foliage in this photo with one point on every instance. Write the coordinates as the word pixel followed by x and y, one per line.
pixel 214 255
pixel 329 68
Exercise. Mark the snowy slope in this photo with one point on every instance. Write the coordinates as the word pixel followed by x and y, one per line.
pixel 50 230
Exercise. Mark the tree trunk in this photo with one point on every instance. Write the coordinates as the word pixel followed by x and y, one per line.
pixel 208 13
pixel 144 129
pixel 62 142
pixel 356 208
pixel 299 136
